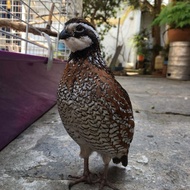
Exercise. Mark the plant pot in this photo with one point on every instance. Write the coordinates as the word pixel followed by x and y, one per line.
pixel 179 35
pixel 140 57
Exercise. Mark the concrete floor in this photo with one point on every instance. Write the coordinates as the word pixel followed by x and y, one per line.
pixel 44 155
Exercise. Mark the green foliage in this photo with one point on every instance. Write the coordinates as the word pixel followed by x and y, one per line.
pixel 136 4
pixel 176 15
pixel 140 42
pixel 99 13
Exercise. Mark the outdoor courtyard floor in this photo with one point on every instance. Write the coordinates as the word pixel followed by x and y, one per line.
pixel 43 156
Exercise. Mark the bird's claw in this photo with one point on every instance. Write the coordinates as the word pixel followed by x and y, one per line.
pixel 86 178
pixel 104 183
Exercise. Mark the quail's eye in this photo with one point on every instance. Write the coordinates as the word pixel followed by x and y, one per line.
pixel 79 28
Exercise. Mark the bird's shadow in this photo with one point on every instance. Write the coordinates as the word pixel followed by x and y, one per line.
pixel 116 173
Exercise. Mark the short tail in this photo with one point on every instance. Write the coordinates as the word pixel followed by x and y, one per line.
pixel 123 160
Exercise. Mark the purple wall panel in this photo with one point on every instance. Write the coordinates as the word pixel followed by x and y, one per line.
pixel 27 90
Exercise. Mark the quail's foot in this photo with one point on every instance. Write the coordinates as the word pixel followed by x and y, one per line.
pixel 87 178
pixel 104 183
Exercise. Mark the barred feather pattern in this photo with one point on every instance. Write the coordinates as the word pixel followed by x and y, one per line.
pixel 95 110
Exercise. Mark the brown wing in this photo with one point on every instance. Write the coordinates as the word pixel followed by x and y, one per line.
pixel 117 102
pixel 99 108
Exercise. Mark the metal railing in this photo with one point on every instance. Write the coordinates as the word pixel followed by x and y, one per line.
pixel 32 16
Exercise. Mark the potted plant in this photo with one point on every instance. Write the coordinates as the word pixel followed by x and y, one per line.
pixel 177 16
pixel 140 42
pixel 140 54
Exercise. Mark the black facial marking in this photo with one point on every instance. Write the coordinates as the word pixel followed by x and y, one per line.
pixel 79 29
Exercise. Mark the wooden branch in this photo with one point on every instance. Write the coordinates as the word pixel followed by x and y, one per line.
pixel 38 43
pixel 150 7
pixel 115 57
pixel 37 22
pixel 17 25
pixel 46 15
pixel 50 17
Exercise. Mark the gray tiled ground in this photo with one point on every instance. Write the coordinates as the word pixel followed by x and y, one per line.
pixel 43 156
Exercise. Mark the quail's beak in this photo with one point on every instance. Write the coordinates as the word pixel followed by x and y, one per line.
pixel 64 35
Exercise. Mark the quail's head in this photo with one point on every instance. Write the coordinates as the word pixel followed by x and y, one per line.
pixel 79 34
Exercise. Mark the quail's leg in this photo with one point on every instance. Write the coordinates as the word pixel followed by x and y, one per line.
pixel 103 180
pixel 86 177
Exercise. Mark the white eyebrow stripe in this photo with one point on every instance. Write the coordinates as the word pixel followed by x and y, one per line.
pixel 90 28
pixel 86 26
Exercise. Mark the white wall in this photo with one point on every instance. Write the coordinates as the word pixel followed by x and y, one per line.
pixel 130 25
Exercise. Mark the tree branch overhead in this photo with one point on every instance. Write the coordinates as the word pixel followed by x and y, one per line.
pixel 19 26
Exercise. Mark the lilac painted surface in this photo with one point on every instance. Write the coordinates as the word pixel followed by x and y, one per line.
pixel 27 90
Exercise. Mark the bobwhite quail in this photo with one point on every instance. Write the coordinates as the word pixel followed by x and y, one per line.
pixel 95 110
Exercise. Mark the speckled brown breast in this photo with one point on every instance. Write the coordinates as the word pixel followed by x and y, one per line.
pixel 95 109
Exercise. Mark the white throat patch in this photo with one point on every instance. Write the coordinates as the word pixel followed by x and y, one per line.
pixel 76 44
